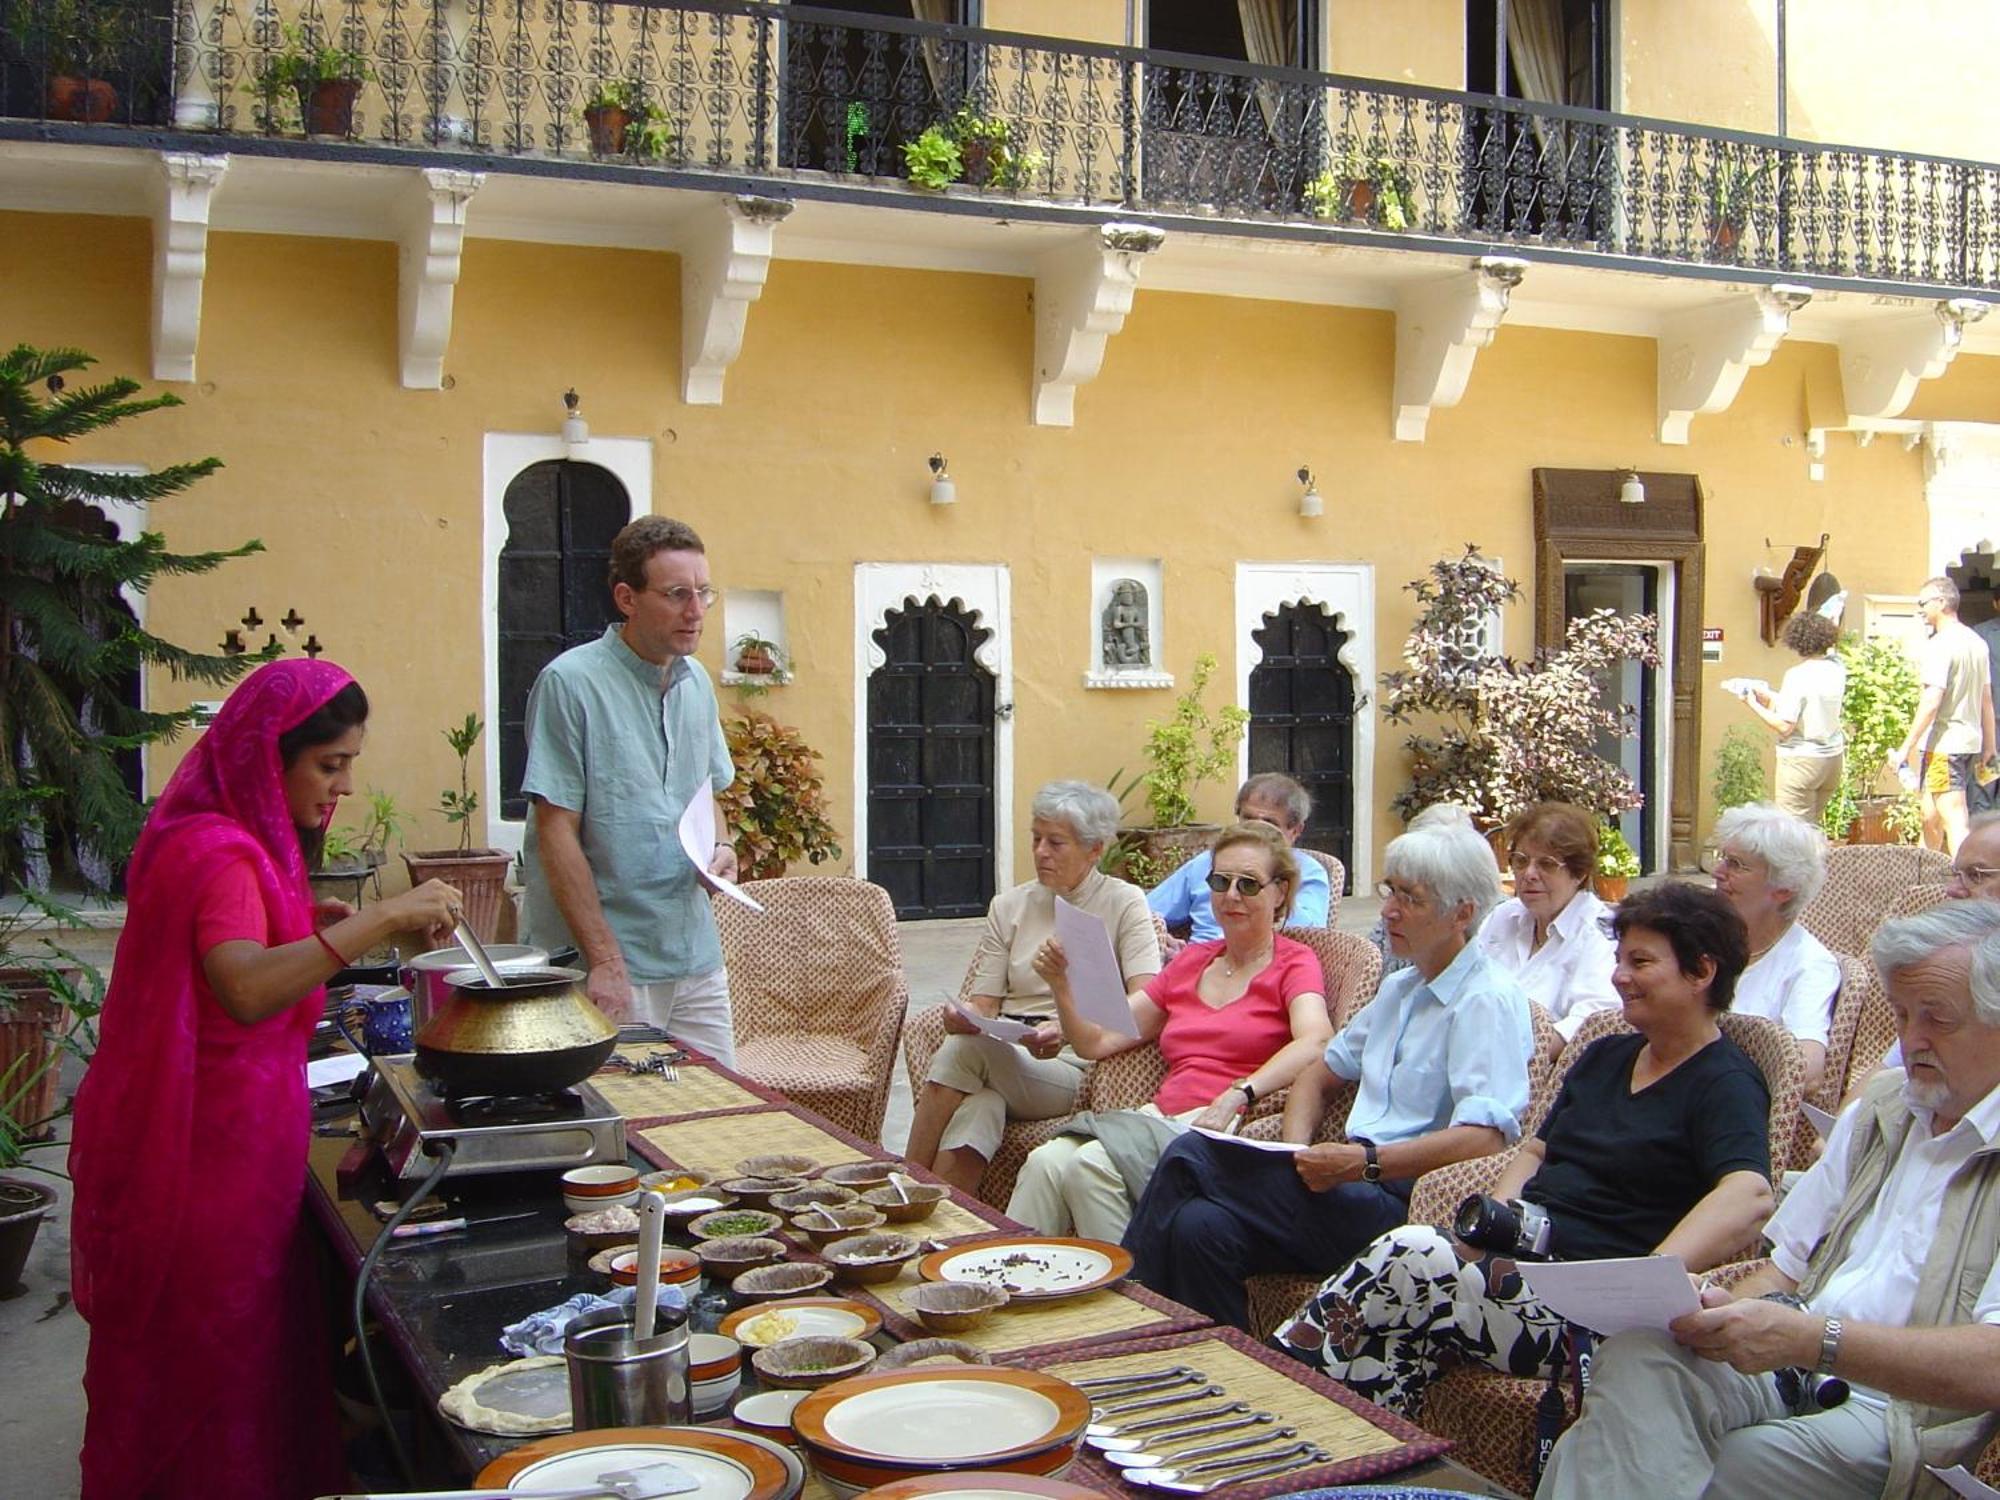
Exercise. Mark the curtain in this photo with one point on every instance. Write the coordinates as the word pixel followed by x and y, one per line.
pixel 936 62
pixel 1267 41
pixel 1536 50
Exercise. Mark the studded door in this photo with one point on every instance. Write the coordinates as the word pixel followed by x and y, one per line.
pixel 1302 719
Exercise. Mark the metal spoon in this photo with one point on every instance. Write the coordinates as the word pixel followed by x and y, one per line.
pixel 1173 1480
pixel 1123 1432
pixel 1100 1428
pixel 1149 1377
pixel 1112 1447
pixel 469 941
pixel 652 1229
pixel 1136 1461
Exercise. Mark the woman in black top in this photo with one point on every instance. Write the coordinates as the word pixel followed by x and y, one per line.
pixel 1656 1144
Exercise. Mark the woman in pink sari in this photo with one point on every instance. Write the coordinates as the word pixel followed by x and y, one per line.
pixel 209 1372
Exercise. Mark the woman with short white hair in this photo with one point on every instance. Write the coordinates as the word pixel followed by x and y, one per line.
pixel 1769 865
pixel 977 1083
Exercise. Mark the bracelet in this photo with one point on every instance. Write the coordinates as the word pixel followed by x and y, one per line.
pixel 1829 1347
pixel 331 951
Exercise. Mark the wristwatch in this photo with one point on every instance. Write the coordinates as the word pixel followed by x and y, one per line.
pixel 1371 1170
pixel 1829 1347
pixel 1249 1089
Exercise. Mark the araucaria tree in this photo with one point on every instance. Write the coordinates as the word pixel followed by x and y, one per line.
pixel 1512 732
pixel 68 643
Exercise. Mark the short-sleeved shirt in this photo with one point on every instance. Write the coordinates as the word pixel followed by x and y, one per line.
pixel 1957 661
pixel 1809 698
pixel 1435 1053
pixel 625 744
pixel 1622 1169
pixel 1794 984
pixel 1184 897
pixel 1020 920
pixel 1208 1047
pixel 1569 976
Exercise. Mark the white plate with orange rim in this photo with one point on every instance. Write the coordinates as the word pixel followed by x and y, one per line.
pixel 986 1484
pixel 956 1416
pixel 727 1465
pixel 766 1323
pixel 1032 1268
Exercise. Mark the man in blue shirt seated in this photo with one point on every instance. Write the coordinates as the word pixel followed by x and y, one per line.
pixel 1181 900
pixel 1442 1060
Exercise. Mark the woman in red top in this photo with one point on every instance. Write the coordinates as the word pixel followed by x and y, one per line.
pixel 1235 1020
pixel 208 1373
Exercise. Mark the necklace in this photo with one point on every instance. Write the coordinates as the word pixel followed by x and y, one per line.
pixel 1757 953
pixel 1258 960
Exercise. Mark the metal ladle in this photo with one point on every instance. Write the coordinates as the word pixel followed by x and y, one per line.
pixel 469 941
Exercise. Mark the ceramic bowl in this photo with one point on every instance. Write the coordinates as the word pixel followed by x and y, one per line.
pixel 734 1223
pixel 921 1202
pixel 824 1226
pixel 626 1231
pixel 788 1278
pixel 688 1178
pixel 681 1268
pixel 859 1174
pixel 715 1371
pixel 924 1351
pixel 802 1364
pixel 831 1194
pixel 684 1207
pixel 732 1257
pixel 779 1165
pixel 870 1258
pixel 769 1414
pixel 954 1306
pixel 586 1189
pixel 758 1191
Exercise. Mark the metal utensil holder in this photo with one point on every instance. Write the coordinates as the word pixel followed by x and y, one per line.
pixel 616 1380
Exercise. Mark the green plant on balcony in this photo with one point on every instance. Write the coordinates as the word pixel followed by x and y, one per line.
pixel 325 79
pixel 1366 186
pixel 970 147
pixel 933 160
pixel 81 41
pixel 854 130
pixel 1727 192
pixel 622 121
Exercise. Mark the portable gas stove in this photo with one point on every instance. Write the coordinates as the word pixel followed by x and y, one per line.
pixel 408 1119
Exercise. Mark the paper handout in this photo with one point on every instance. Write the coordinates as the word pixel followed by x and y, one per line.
pixel 698 841
pixel 1819 1119
pixel 1959 1482
pixel 1094 980
pixel 339 1068
pixel 1610 1296
pixel 1000 1028
pixel 1287 1147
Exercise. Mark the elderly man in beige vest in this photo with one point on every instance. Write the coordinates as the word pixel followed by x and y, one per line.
pixel 1882 1273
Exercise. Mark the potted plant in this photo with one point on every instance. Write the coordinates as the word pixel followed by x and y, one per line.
pixel 1190 747
pixel 758 657
pixel 1374 189
pixel 479 874
pixel 348 856
pixel 1739 771
pixel 933 160
pixel 607 114
pixel 970 147
pixel 1726 191
pixel 326 78
pixel 80 39
pixel 775 809
pixel 1875 708
pixel 1617 865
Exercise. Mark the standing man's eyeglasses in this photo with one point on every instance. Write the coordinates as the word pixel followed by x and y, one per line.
pixel 680 595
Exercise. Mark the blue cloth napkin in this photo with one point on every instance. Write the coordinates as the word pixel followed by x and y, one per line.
pixel 542 1332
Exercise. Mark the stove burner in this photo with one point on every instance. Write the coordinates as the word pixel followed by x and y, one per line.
pixel 515 1109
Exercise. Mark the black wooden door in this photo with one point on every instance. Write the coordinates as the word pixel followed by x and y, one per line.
pixel 1302 720
pixel 561 518
pixel 930 762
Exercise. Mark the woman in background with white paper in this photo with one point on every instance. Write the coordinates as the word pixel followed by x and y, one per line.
pixel 978 1083
pixel 1657 1144
pixel 1805 713
pixel 1235 1019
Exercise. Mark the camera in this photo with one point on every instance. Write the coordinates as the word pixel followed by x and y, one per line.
pixel 1503 1226
pixel 1808 1391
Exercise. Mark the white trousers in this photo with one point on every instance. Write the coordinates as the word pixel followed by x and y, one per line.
pixel 693 1010
pixel 1069 1186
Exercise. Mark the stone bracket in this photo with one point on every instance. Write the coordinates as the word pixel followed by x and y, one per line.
pixel 1881 364
pixel 186 190
pixel 1082 294
pixel 1440 327
pixel 1705 352
pixel 725 256
pixel 431 245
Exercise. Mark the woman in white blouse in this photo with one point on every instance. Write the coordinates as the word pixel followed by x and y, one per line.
pixel 1769 865
pixel 1551 935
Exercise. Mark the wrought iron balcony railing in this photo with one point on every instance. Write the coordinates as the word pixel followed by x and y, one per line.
pixel 789 92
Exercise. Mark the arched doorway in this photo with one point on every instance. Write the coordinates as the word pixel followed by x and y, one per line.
pixel 930 760
pixel 560 518
pixel 1302 719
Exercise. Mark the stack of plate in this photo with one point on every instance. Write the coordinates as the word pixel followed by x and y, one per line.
pixel 728 1465
pixel 877 1429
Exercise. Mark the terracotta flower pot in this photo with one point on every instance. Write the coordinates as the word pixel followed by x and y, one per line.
pixel 607 124
pixel 327 105
pixel 480 876
pixel 1871 822
pixel 84 101
pixel 1723 236
pixel 1610 888
pixel 757 662
pixel 23 1206
pixel 29 1026
pixel 1360 198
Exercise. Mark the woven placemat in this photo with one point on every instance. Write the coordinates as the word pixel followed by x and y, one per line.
pixel 1025 1328
pixel 718 1142
pixel 1366 1441
pixel 648 1096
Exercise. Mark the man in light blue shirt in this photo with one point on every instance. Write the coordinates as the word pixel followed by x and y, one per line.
pixel 622 733
pixel 1182 899
pixel 1441 1058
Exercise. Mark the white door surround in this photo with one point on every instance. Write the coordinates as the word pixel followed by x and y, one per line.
pixel 1346 591
pixel 987 590
pixel 1962 487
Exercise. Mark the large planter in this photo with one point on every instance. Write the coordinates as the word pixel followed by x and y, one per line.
pixel 327 105
pixel 1610 888
pixel 83 101
pixel 30 1023
pixel 1165 850
pixel 23 1206
pixel 480 876
pixel 1871 822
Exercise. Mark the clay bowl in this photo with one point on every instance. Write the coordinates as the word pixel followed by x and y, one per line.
pixel 683 1208
pixel 859 1174
pixel 759 1191
pixel 662 1181
pixel 825 1226
pixel 734 1223
pixel 924 1197
pixel 777 1165
pixel 869 1258
pixel 731 1257
pixel 602 1239
pixel 955 1306
pixel 681 1268
pixel 932 1351
pixel 788 1278
pixel 802 1364
pixel 832 1194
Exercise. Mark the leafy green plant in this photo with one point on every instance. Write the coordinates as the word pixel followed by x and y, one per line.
pixel 459 806
pixel 1615 857
pixel 309 58
pixel 970 147
pixel 648 134
pixel 933 159
pixel 1905 818
pixel 81 38
pixel 1333 193
pixel 66 636
pixel 612 93
pixel 1728 188
pixel 368 842
pixel 1876 708
pixel 853 131
pixel 31 962
pixel 1188 748
pixel 1739 771
pixel 775 809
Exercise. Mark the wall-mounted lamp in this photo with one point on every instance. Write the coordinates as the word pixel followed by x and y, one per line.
pixel 943 490
pixel 575 431
pixel 1310 503
pixel 1630 490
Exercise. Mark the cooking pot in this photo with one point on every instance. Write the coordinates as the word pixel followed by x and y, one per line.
pixel 537 1034
pixel 424 976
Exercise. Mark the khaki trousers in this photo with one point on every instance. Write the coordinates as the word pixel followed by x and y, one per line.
pixel 1069 1186
pixel 1001 1082
pixel 1806 783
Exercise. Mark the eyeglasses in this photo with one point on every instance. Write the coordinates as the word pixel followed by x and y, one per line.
pixel 1721 862
pixel 1542 864
pixel 680 595
pixel 1402 895
pixel 1244 885
pixel 1976 874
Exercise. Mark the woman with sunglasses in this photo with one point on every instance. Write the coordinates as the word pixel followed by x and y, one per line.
pixel 1550 936
pixel 1235 1019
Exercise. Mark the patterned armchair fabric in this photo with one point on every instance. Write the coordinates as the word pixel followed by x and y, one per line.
pixel 818 990
pixel 1336 876
pixel 1862 882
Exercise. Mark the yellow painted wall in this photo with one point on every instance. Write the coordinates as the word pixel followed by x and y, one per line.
pixel 368 496
pixel 1413 41
pixel 1078 20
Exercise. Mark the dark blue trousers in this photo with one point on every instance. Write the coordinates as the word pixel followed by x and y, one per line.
pixel 1214 1214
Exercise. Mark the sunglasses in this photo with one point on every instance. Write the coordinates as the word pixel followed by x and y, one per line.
pixel 1243 885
